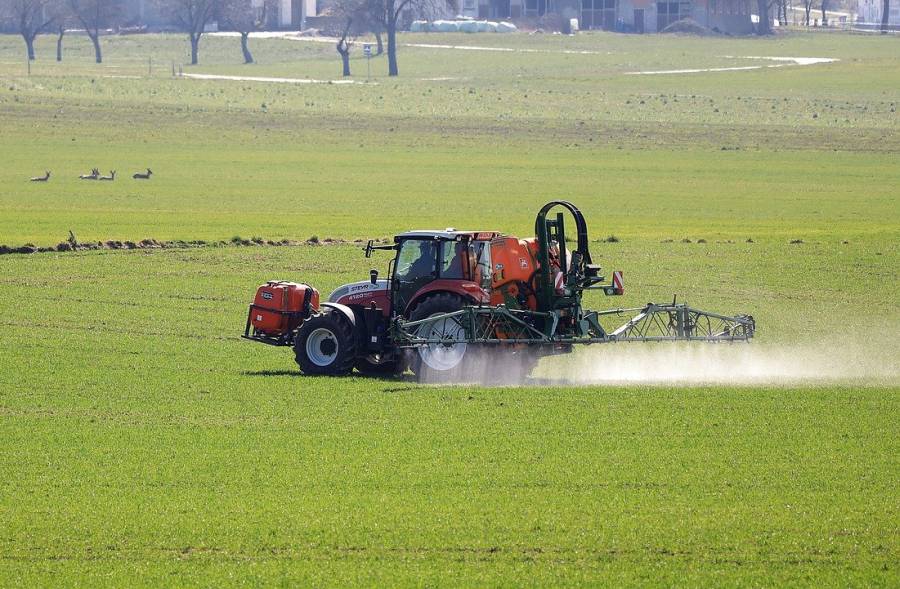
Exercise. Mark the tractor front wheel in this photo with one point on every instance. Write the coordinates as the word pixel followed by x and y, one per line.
pixel 326 345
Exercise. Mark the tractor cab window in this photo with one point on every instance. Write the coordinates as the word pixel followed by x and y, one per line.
pixel 455 260
pixel 481 256
pixel 416 259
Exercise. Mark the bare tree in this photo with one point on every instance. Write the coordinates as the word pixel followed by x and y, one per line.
pixel 94 15
pixel 378 30
pixel 61 18
pixel 389 14
pixel 343 48
pixel 192 16
pixel 885 12
pixel 824 15
pixel 807 8
pixel 365 15
pixel 61 30
pixel 244 17
pixel 31 18
pixel 764 26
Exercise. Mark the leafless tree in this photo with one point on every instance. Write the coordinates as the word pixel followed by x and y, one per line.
pixel 375 25
pixel 60 31
pixel 31 18
pixel 244 17
pixel 389 14
pixel 192 16
pixel 365 15
pixel 764 26
pixel 824 14
pixel 343 48
pixel 885 12
pixel 62 19
pixel 807 8
pixel 94 15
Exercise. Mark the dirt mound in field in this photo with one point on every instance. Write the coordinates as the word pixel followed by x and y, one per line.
pixel 688 26
pixel 114 244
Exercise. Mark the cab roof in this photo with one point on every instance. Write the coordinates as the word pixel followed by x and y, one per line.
pixel 448 234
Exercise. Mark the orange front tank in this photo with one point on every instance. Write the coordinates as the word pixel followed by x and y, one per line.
pixel 280 306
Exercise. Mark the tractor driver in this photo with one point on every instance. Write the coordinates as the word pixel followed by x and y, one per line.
pixel 423 264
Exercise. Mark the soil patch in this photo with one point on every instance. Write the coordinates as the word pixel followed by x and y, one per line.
pixel 149 244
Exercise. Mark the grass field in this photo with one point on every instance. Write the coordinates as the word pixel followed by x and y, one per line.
pixel 144 443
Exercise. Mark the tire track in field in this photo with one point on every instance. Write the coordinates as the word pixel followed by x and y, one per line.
pixel 785 62
pixel 507 49
pixel 142 305
pixel 32 325
pixel 275 80
pixel 558 555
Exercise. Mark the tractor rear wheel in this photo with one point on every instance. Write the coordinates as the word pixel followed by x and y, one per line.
pixel 326 344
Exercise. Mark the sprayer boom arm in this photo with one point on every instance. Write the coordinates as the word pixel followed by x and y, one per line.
pixel 500 325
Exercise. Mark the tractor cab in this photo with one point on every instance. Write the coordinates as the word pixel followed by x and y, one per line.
pixel 431 261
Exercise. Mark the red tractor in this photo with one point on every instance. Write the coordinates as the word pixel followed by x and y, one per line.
pixel 451 292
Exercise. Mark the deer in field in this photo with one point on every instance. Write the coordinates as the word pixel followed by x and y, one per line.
pixel 95 173
pixel 111 177
pixel 43 178
pixel 146 176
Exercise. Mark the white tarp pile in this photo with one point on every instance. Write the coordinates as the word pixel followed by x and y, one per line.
pixel 461 26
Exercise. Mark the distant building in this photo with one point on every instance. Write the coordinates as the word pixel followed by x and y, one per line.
pixel 870 11
pixel 292 13
pixel 288 14
pixel 141 12
pixel 640 16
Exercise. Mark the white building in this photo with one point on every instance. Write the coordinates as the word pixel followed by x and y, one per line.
pixel 639 16
pixel 869 12
pixel 293 13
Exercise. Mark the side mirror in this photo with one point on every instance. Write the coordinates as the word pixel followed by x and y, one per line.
pixel 373 276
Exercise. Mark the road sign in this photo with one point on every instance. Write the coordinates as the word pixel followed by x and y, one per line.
pixel 367 50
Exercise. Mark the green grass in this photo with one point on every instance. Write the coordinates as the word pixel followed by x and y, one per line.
pixel 738 152
pixel 144 443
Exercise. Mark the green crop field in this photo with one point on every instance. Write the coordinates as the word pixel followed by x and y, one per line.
pixel 143 443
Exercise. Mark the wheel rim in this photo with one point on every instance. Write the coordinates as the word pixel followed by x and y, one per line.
pixel 445 356
pixel 322 347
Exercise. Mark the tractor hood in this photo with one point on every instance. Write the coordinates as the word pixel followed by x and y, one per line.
pixel 362 290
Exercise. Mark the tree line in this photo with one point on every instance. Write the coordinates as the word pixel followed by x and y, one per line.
pixel 379 17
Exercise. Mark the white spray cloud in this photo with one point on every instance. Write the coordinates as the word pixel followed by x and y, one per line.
pixel 835 361
pixel 863 357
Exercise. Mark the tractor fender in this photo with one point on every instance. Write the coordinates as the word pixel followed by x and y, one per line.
pixel 346 311
pixel 466 289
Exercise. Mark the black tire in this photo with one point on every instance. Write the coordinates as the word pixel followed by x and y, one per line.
pixel 373 366
pixel 433 305
pixel 326 344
